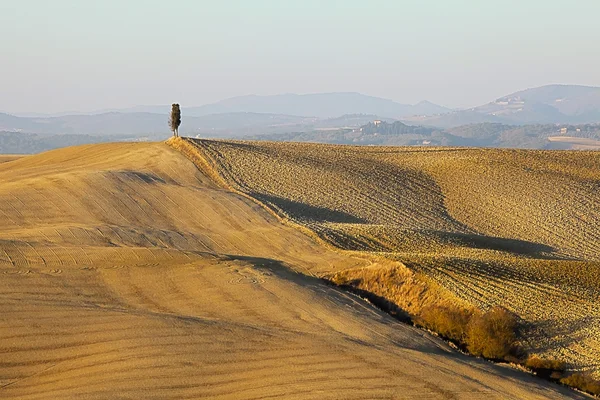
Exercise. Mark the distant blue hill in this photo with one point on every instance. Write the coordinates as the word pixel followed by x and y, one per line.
pixel 551 104
pixel 320 105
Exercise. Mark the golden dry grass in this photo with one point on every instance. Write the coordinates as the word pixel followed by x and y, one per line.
pixel 514 228
pixel 125 272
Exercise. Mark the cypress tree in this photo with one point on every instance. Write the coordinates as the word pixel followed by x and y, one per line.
pixel 175 119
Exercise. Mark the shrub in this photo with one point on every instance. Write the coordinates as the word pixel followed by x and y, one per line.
pixel 449 322
pixel 546 368
pixel 492 334
pixel 582 382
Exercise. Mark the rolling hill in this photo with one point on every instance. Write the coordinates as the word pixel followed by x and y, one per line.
pixel 494 227
pixel 571 100
pixel 30 143
pixel 321 105
pixel 396 133
pixel 129 272
pixel 550 104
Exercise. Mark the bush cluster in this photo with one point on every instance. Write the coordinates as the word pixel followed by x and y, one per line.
pixel 546 368
pixel 582 382
pixel 449 322
pixel 492 334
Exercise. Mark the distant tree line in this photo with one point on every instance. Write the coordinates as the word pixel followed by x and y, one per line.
pixel 395 128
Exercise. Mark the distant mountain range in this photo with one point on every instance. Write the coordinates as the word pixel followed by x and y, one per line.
pixel 317 116
pixel 552 104
pixel 144 123
pixel 319 105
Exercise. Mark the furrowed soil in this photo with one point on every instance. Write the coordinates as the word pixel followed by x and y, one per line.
pixel 127 272
pixel 515 228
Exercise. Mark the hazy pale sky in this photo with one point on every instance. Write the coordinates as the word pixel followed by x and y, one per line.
pixel 59 55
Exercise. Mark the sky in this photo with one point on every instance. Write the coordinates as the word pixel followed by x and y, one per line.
pixel 83 55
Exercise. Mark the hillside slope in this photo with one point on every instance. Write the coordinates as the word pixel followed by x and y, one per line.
pixel 515 228
pixel 127 273
pixel 572 100
pixel 549 104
